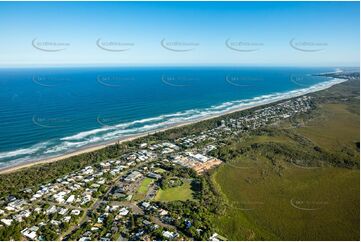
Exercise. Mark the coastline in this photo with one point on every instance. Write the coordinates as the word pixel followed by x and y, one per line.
pixel 95 147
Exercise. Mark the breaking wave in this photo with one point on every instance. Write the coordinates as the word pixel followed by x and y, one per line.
pixel 109 133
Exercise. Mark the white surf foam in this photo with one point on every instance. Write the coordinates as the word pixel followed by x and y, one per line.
pixel 108 133
pixel 33 149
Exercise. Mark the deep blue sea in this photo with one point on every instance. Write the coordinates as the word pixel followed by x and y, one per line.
pixel 52 111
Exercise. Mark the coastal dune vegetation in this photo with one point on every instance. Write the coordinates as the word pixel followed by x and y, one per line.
pixel 296 179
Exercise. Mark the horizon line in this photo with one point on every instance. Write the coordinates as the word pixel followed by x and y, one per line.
pixel 37 66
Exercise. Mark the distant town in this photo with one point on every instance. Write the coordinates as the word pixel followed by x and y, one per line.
pixel 119 199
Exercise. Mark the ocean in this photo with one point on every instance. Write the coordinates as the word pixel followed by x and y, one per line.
pixel 46 112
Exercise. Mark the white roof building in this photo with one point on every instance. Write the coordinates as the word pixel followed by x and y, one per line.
pixel 70 199
pixel 29 234
pixel 75 212
pixel 169 235
pixel 7 222
pixel 63 211
pixel 123 212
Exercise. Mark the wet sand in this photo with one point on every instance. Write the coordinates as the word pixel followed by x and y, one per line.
pixel 15 167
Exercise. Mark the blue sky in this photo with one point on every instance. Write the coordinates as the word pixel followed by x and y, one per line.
pixel 193 33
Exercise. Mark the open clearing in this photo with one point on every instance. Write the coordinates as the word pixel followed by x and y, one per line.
pixel 143 188
pixel 335 127
pixel 180 193
pixel 298 203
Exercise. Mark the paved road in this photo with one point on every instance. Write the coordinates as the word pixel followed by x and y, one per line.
pixel 98 200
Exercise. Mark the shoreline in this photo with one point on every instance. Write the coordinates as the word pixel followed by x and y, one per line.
pixel 95 147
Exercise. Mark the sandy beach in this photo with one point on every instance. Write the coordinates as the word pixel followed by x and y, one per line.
pixel 16 167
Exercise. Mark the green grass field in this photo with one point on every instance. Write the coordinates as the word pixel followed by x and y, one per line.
pixel 334 127
pixel 319 204
pixel 180 193
pixel 143 188
pixel 298 203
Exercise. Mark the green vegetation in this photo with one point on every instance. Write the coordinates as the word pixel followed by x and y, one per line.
pixel 168 182
pixel 260 203
pixel 334 127
pixel 159 171
pixel 143 188
pixel 179 193
pixel 13 183
pixel 298 180
pixel 293 180
pixel 199 211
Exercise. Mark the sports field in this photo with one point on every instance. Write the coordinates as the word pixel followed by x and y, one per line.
pixel 180 193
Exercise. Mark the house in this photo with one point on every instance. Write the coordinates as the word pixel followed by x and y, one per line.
pixel 29 234
pixel 154 175
pixel 86 199
pixel 63 211
pixel 113 208
pixel 11 198
pixel 7 222
pixel 102 217
pixel 169 235
pixel 147 223
pixel 163 212
pixel 145 205
pixel 51 210
pixel 75 212
pixel 119 195
pixel 123 211
pixel 55 222
pixel 70 199
pixel 25 213
pixel 34 228
pixel 199 157
pixel 85 239
pixel 105 166
pixel 143 145
pixel 9 208
pixel 217 237
pixel 66 219
pixel 133 176
pixel 59 197
pixel 17 204
pixel 37 210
